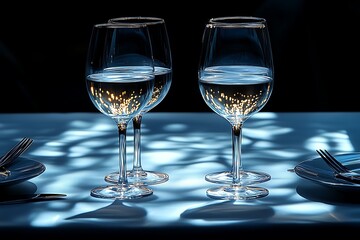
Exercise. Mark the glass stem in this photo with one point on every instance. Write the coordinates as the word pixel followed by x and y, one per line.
pixel 122 154
pixel 137 144
pixel 236 149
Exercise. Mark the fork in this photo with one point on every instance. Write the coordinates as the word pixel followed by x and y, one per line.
pixel 341 171
pixel 14 153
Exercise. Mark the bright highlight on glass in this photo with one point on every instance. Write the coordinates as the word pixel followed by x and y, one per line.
pixel 236 81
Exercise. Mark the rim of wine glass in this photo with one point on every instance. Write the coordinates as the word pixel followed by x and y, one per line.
pixel 137 20
pixel 238 21
pixel 120 25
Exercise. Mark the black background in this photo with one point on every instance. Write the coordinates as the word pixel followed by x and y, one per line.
pixel 315 49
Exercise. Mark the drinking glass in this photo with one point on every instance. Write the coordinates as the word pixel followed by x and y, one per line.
pixel 120 80
pixel 163 78
pixel 236 81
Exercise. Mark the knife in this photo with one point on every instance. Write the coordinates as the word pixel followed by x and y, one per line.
pixel 34 197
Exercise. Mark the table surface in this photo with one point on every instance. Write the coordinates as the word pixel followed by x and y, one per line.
pixel 79 149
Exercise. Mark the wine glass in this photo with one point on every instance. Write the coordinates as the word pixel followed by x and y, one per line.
pixel 120 80
pixel 236 81
pixel 163 78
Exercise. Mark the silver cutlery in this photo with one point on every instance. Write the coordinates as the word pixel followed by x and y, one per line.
pixel 341 171
pixel 34 197
pixel 13 154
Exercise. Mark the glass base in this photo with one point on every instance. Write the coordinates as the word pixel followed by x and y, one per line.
pixel 237 192
pixel 247 177
pixel 139 177
pixel 121 192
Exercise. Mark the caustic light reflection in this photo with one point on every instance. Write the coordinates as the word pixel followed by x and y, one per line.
pixel 78 156
pixel 306 209
pixel 49 219
pixel 338 141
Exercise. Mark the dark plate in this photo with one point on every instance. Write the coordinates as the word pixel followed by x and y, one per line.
pixel 21 170
pixel 318 171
